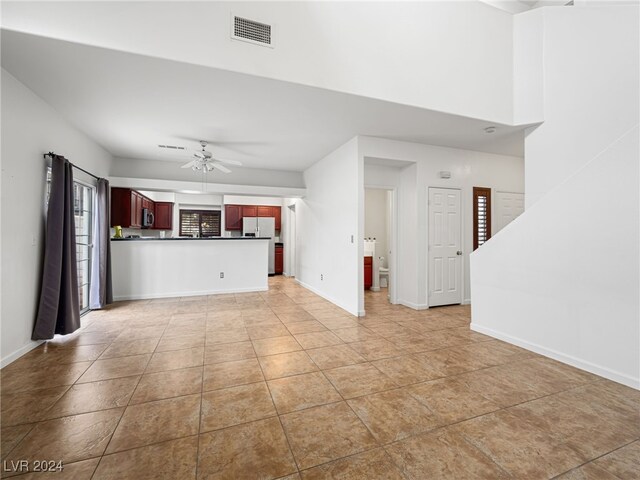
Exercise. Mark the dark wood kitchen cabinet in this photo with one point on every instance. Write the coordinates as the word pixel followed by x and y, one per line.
pixel 279 260
pixel 163 216
pixel 368 272
pixel 126 208
pixel 233 217
pixel 249 211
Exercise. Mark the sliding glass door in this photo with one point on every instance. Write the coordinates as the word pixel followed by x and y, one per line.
pixel 83 201
pixel 83 196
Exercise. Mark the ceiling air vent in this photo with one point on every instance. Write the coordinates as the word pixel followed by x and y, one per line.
pixel 251 31
pixel 171 147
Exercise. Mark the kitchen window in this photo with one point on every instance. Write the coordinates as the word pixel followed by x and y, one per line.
pixel 200 223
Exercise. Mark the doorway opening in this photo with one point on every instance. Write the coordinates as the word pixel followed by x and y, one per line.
pixel 380 243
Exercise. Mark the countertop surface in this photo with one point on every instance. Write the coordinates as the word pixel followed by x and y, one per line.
pixel 185 238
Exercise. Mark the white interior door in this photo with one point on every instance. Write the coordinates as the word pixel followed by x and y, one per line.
pixel 508 206
pixel 445 247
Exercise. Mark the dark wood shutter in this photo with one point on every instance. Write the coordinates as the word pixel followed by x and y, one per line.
pixel 200 223
pixel 481 215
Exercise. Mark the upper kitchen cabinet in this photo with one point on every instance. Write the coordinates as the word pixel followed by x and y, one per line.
pixel 164 216
pixel 233 217
pixel 249 211
pixel 126 208
pixel 264 211
pixel 278 216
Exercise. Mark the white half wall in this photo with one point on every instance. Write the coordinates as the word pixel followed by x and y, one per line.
pixel 30 128
pixel 328 222
pixel 562 279
pixel 174 268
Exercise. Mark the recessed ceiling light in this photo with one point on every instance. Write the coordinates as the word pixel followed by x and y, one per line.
pixel 490 130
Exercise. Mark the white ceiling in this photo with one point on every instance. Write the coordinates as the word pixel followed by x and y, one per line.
pixel 130 103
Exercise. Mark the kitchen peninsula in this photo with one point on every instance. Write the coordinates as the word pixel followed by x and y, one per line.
pixel 173 267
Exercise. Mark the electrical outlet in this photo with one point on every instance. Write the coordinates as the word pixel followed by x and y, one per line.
pixel 221 274
pixel 321 277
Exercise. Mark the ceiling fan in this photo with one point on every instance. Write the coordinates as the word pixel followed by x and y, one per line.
pixel 205 162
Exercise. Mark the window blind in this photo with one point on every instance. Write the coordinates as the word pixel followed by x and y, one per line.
pixel 200 223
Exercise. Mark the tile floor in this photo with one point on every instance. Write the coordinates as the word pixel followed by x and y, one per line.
pixel 283 384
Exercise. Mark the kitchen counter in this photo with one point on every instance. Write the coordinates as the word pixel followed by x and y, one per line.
pixel 187 238
pixel 157 268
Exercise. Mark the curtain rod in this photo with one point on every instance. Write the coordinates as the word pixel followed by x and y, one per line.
pixel 51 154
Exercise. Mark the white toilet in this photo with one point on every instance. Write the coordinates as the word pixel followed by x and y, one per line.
pixel 383 274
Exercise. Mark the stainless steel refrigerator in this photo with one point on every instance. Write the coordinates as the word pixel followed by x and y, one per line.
pixel 262 227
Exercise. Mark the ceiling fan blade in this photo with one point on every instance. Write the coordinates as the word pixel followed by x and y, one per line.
pixel 230 162
pixel 198 155
pixel 222 168
pixel 190 164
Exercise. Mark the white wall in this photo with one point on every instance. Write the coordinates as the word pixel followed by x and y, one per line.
pixel 375 220
pixel 468 169
pixel 328 228
pixel 30 128
pixel 453 57
pixel 562 279
pixel 590 91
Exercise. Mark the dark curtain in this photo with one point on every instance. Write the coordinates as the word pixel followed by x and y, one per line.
pixel 59 309
pixel 101 293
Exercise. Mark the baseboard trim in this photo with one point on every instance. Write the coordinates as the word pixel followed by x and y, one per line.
pixel 151 296
pixel 414 306
pixel 13 356
pixel 326 297
pixel 561 357
pixel 466 301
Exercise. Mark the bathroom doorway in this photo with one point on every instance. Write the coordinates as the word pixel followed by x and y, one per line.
pixel 380 244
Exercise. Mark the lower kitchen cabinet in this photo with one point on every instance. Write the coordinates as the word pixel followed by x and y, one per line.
pixel 368 272
pixel 279 260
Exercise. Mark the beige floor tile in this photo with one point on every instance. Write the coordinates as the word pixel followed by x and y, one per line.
pixel 155 422
pixel 227 352
pixel 168 384
pixel 624 462
pixel 50 376
pixel 115 368
pixel 334 323
pixel 174 360
pixel 335 356
pixel 82 470
pixel 589 471
pixel 360 379
pixel 234 405
pixel 267 331
pixel 368 465
pixel 175 459
pixel 321 434
pixel 405 370
pixel 302 391
pixel 317 339
pixel 518 447
pixel 11 436
pixel 393 415
pixel 306 326
pixel 29 406
pixel 452 399
pixel 273 346
pixel 130 347
pixel 217 336
pixel 180 342
pixel 94 396
pixel 376 349
pixel 444 455
pixel 286 364
pixel 259 448
pixel 229 374
pixel 356 334
pixel 69 439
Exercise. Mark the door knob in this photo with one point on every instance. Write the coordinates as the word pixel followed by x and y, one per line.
pixel 459 252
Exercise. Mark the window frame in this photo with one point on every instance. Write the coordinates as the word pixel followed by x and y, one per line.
pixel 477 193
pixel 199 212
